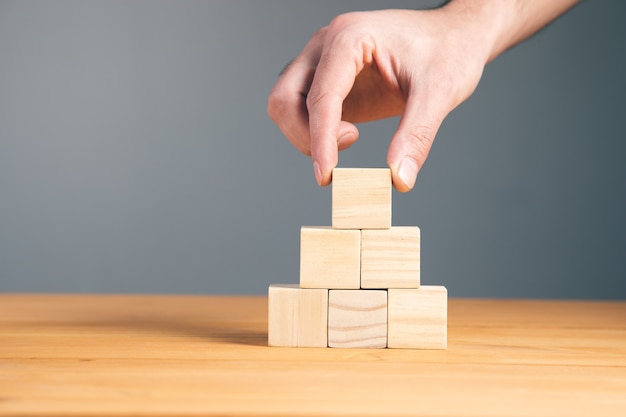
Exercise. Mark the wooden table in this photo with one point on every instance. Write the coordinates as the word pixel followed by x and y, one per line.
pixel 205 355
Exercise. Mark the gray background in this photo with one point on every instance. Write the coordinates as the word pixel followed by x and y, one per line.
pixel 136 154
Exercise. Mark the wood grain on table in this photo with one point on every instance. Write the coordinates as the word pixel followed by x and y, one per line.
pixel 97 355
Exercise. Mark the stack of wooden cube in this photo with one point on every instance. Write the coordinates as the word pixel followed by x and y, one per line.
pixel 359 279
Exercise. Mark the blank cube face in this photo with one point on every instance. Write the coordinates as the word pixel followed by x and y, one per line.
pixel 297 317
pixel 330 258
pixel 361 198
pixel 418 318
pixel 390 258
pixel 357 318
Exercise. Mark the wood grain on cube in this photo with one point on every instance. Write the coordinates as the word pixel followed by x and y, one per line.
pixel 297 317
pixel 357 318
pixel 418 318
pixel 361 198
pixel 330 258
pixel 390 258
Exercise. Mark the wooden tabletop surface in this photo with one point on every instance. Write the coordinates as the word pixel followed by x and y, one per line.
pixel 99 355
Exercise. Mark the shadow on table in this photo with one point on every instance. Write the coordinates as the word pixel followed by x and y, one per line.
pixel 228 333
pixel 209 328
pixel 237 320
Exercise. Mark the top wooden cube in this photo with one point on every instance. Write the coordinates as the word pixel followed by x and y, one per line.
pixel 361 198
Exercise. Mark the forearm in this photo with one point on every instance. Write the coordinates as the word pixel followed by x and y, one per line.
pixel 508 22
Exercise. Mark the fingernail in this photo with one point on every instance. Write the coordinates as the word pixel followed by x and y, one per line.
pixel 347 137
pixel 407 171
pixel 318 172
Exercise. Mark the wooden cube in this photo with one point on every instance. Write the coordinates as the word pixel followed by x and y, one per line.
pixel 357 318
pixel 330 258
pixel 361 198
pixel 390 258
pixel 418 318
pixel 297 317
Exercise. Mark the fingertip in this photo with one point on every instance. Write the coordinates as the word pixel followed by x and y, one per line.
pixel 404 174
pixel 408 151
pixel 318 173
pixel 323 177
pixel 348 135
pixel 324 155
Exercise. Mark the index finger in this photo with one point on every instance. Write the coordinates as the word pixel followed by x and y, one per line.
pixel 341 61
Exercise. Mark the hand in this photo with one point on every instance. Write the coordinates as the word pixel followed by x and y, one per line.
pixel 371 65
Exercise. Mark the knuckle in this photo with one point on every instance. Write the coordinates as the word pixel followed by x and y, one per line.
pixel 319 101
pixel 315 96
pixel 420 140
pixel 351 30
pixel 276 104
pixel 342 21
pixel 320 97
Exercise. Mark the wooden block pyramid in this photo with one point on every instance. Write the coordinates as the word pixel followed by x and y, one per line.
pixel 359 279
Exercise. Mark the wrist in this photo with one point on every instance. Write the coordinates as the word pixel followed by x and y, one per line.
pixel 501 24
pixel 485 24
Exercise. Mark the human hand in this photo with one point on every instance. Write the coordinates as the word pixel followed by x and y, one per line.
pixel 371 65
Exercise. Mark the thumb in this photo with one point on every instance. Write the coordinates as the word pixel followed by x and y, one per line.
pixel 412 141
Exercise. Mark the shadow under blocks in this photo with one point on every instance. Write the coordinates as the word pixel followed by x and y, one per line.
pixel 359 278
